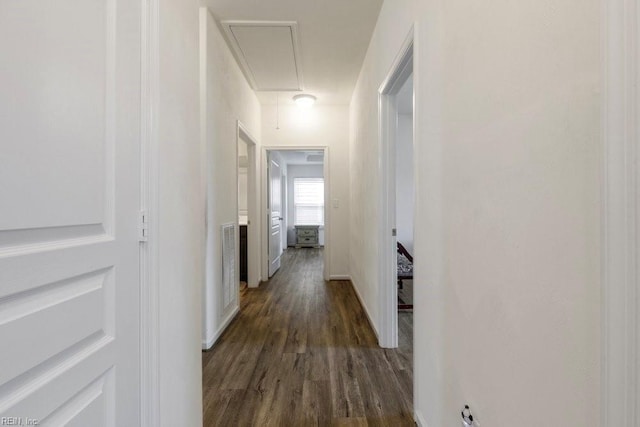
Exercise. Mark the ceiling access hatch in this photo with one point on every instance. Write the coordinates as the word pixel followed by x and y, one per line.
pixel 268 53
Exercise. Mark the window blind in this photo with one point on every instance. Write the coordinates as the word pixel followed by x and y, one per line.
pixel 308 201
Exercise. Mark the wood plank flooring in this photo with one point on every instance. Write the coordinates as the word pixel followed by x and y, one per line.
pixel 301 353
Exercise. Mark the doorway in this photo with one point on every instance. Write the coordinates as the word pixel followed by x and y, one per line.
pixel 404 204
pixel 296 195
pixel 248 254
pixel 397 193
pixel 243 212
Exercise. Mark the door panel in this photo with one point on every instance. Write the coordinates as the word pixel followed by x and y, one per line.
pixel 275 204
pixel 53 86
pixel 69 185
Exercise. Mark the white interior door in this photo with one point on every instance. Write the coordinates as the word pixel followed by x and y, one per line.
pixel 275 215
pixel 69 200
pixel 285 220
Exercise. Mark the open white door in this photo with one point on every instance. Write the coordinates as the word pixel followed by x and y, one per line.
pixel 275 215
pixel 70 192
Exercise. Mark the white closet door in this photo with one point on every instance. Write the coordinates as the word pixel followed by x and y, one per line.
pixel 275 223
pixel 69 201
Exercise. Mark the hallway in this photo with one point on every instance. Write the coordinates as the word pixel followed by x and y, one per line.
pixel 301 353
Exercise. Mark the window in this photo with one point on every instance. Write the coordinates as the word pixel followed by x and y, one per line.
pixel 308 201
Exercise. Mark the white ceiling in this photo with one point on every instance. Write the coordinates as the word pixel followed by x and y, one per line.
pixel 334 36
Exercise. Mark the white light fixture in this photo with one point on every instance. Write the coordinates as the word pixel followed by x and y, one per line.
pixel 305 100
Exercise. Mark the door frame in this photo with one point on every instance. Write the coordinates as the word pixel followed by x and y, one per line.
pixel 401 69
pixel 253 229
pixel 327 211
pixel 621 214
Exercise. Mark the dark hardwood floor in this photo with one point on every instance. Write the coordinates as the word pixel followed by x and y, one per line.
pixel 301 353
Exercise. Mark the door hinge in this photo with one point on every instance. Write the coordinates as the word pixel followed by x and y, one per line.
pixel 394 232
pixel 143 226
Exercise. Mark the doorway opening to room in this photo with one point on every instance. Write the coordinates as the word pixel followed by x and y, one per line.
pixel 296 207
pixel 404 213
pixel 396 258
pixel 248 254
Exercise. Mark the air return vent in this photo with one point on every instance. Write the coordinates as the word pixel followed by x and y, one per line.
pixel 268 53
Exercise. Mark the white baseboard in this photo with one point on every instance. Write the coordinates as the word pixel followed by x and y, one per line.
pixel 419 419
pixel 340 277
pixel 206 345
pixel 366 309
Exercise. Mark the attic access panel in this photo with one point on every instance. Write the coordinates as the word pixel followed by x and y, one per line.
pixel 268 53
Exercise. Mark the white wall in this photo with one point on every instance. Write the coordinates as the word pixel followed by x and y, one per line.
pixel 180 222
pixel 243 188
pixel 507 291
pixel 323 125
pixel 243 179
pixel 227 98
pixel 299 171
pixel 404 181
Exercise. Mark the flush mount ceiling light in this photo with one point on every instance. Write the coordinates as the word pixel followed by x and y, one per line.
pixel 304 100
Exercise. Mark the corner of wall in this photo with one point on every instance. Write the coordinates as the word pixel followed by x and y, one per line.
pixel 419 419
pixel 366 309
pixel 208 343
